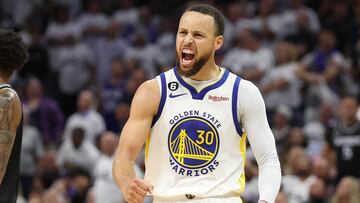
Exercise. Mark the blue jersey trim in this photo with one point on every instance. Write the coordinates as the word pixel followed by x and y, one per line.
pixel 234 106
pixel 200 95
pixel 162 99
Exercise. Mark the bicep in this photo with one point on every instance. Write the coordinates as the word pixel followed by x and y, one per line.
pixel 138 126
pixel 133 136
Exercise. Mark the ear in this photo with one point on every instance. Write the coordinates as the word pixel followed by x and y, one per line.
pixel 219 41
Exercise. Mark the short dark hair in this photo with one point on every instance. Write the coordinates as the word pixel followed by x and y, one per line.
pixel 13 52
pixel 213 12
pixel 78 131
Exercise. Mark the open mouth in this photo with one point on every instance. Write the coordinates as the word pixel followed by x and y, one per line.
pixel 187 56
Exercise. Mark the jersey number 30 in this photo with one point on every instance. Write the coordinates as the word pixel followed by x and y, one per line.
pixel 209 137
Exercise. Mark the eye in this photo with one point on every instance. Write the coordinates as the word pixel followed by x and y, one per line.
pixel 197 35
pixel 182 32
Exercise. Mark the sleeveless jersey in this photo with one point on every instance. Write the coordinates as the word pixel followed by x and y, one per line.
pixel 196 148
pixel 10 182
pixel 346 141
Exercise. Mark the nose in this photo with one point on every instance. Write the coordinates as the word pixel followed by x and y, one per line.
pixel 188 39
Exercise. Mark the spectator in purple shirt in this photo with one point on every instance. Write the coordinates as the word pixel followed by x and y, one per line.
pixel 45 113
pixel 113 93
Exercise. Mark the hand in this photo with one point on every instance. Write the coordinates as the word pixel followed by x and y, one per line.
pixel 137 190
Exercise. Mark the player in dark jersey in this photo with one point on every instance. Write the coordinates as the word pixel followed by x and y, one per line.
pixel 345 140
pixel 13 55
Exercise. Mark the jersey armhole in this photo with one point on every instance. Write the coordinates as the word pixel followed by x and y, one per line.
pixel 163 94
pixel 234 106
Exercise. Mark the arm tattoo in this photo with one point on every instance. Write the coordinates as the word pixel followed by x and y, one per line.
pixel 5 100
pixel 5 111
pixel 6 134
pixel 5 118
pixel 5 137
pixel 3 160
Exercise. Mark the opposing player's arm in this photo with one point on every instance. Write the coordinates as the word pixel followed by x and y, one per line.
pixel 254 121
pixel 143 108
pixel 10 115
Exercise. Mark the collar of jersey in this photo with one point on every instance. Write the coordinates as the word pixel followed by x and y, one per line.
pixel 200 95
pixel 3 85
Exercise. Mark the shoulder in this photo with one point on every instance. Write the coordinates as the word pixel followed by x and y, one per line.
pixel 9 94
pixel 249 95
pixel 10 102
pixel 148 88
pixel 244 86
pixel 247 88
pixel 147 97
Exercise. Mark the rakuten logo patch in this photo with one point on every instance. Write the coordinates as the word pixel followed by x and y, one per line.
pixel 218 99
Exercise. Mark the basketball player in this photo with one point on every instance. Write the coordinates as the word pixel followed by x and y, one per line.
pixel 13 55
pixel 195 119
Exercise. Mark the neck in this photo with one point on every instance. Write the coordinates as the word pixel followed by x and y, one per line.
pixel 209 71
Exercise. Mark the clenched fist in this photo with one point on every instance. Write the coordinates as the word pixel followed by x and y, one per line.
pixel 137 190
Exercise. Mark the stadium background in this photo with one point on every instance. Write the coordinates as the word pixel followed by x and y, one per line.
pixel 87 58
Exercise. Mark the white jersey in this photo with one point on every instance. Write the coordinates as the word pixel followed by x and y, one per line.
pixel 196 148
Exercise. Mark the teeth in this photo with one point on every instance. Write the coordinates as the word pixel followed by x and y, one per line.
pixel 188 51
pixel 186 62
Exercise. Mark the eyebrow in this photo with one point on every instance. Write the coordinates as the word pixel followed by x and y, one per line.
pixel 195 31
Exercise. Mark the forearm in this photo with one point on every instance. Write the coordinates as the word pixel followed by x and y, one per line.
pixel 128 151
pixel 269 177
pixel 123 170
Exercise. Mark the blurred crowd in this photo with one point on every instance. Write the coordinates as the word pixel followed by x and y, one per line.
pixel 88 57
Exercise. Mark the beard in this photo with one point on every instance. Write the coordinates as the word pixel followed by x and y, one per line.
pixel 195 68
